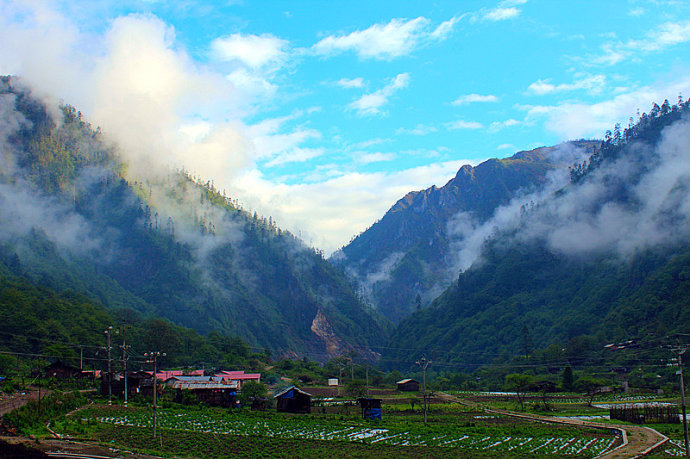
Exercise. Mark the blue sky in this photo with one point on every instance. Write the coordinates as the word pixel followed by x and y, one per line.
pixel 323 114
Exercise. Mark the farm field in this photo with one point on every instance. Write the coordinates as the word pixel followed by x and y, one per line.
pixel 453 431
pixel 572 406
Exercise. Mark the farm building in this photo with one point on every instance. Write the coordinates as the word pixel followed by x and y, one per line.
pixel 206 389
pixel 61 370
pixel 371 407
pixel 136 382
pixel 293 400
pixel 238 377
pixel 164 375
pixel 408 385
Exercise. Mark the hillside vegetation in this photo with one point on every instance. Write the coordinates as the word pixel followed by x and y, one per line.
pixel 167 245
pixel 413 253
pixel 603 260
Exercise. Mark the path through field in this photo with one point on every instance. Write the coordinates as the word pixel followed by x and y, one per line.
pixel 640 440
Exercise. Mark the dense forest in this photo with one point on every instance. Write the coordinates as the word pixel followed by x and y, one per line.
pixel 40 324
pixel 408 258
pixel 591 275
pixel 166 245
pixel 556 288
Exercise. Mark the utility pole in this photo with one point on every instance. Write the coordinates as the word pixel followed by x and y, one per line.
pixel 110 374
pixel 81 358
pixel 154 356
pixel 681 351
pixel 341 365
pixel 124 360
pixel 367 379
pixel 424 363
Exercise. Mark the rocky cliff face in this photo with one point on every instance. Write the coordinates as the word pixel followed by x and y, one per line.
pixel 407 258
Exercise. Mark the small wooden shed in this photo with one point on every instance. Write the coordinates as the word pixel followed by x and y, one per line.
pixel 408 385
pixel 293 400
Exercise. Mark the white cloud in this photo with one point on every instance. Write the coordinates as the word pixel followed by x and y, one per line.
pixel 666 35
pixel 368 143
pixel 254 60
pixel 253 51
pixel 397 38
pixel 472 98
pixel 501 14
pixel 420 130
pixel 506 146
pixel 295 155
pixel 572 120
pixel 272 144
pixel 498 125
pixel 639 11
pixel 345 205
pixel 166 110
pixel 371 104
pixel 378 157
pixel 351 83
pixel 445 28
pixel 593 84
pixel 252 83
pixel 460 124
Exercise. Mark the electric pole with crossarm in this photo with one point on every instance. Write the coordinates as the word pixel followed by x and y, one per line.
pixel 424 363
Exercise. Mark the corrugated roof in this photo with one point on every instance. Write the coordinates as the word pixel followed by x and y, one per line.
pixel 238 375
pixel 286 390
pixel 201 385
pixel 191 378
pixel 403 381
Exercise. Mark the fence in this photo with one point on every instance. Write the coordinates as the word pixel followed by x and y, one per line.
pixel 647 414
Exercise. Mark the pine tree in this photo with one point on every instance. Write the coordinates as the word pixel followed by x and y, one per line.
pixel 568 380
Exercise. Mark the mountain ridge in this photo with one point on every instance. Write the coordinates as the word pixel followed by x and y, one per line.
pixel 604 259
pixel 167 245
pixel 405 253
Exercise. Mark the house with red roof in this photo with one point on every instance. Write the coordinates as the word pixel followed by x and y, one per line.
pixel 238 377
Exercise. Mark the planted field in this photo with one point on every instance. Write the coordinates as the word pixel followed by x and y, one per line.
pixel 501 436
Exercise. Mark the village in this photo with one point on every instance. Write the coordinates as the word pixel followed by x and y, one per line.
pixel 223 388
pixel 169 410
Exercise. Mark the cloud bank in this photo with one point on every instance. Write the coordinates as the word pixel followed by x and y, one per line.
pixel 591 216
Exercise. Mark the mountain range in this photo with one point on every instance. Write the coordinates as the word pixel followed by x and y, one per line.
pixel 411 255
pixel 167 245
pixel 603 259
pixel 560 248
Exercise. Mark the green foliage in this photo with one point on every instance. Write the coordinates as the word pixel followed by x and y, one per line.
pixel 37 320
pixel 356 388
pixel 32 417
pixel 232 272
pixel 418 227
pixel 590 386
pixel 252 390
pixel 518 382
pixel 568 380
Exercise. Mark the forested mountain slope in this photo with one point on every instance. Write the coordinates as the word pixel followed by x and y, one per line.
pixel 605 259
pixel 414 252
pixel 36 321
pixel 169 245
